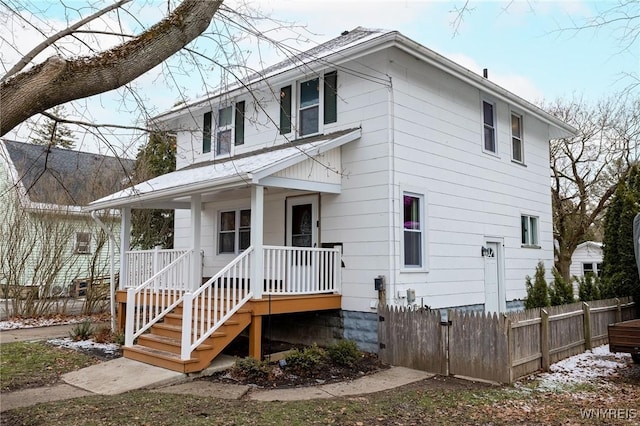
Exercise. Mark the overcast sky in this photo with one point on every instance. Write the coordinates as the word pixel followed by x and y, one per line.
pixel 529 47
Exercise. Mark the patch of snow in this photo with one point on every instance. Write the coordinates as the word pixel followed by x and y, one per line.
pixel 109 348
pixel 14 323
pixel 586 367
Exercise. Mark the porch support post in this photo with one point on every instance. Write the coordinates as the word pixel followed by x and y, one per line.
pixel 196 259
pixel 255 337
pixel 125 241
pixel 257 231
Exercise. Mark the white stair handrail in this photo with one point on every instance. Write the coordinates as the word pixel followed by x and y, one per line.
pixel 215 302
pixel 147 303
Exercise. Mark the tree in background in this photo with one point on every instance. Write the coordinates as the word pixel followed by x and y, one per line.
pixel 537 291
pixel 620 273
pixel 54 133
pixel 154 227
pixel 585 169
pixel 560 290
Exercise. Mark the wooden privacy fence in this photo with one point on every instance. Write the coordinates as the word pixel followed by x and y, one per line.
pixel 499 348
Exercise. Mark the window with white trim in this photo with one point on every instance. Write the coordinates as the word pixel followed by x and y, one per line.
pixel 592 268
pixel 489 127
pixel 517 147
pixel 234 231
pixel 413 253
pixel 83 243
pixel 229 126
pixel 317 104
pixel 529 230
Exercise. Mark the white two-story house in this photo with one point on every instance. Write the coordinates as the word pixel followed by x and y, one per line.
pixel 367 170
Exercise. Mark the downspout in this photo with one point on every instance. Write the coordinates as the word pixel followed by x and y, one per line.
pixel 392 193
pixel 112 275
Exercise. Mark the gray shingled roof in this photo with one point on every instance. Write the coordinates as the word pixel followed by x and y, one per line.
pixel 67 177
pixel 321 50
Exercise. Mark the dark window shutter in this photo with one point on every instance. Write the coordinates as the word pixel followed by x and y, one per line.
pixel 330 97
pixel 206 133
pixel 239 130
pixel 285 110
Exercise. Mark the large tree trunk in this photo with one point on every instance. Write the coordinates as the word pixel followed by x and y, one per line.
pixel 563 264
pixel 57 80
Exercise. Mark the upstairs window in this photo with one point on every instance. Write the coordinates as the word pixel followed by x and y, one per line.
pixel 234 233
pixel 309 106
pixel 317 105
pixel 516 138
pixel 489 127
pixel 229 126
pixel 83 243
pixel 413 230
pixel 223 132
pixel 529 231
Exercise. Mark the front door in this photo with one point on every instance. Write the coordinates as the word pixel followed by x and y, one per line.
pixel 302 221
pixel 302 231
pixel 493 285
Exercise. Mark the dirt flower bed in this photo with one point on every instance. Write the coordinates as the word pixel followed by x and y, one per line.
pixel 302 367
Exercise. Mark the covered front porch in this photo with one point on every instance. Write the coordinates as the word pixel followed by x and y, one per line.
pixel 179 308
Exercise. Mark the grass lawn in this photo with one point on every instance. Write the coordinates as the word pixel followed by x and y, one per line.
pixel 439 400
pixel 444 401
pixel 30 364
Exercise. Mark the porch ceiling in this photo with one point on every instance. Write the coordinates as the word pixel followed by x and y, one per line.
pixel 173 190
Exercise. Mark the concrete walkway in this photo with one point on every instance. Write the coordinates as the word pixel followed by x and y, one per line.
pixel 122 375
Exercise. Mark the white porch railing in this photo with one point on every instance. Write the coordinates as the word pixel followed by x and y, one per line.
pixel 143 264
pixel 301 270
pixel 214 302
pixel 156 296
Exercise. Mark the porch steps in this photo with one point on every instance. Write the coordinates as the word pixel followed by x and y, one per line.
pixel 161 346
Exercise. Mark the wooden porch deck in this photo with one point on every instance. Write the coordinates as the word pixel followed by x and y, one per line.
pixel 160 345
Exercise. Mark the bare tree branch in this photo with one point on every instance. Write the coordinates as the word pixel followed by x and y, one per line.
pixel 57 81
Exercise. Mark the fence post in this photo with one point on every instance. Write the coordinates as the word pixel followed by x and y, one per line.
pixel 587 325
pixel 509 337
pixel 618 311
pixel 544 339
pixel 187 319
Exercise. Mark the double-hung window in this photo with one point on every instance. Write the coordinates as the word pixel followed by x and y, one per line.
pixel 224 130
pixel 229 126
pixel 489 127
pixel 529 230
pixel 517 148
pixel 83 243
pixel 234 232
pixel 413 230
pixel 317 104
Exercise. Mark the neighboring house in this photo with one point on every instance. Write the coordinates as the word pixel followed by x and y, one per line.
pixel 587 259
pixel 429 181
pixel 47 241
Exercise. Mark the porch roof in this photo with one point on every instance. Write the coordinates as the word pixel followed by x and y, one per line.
pixel 173 189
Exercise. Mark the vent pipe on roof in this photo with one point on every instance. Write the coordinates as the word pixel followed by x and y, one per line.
pixel 485 72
